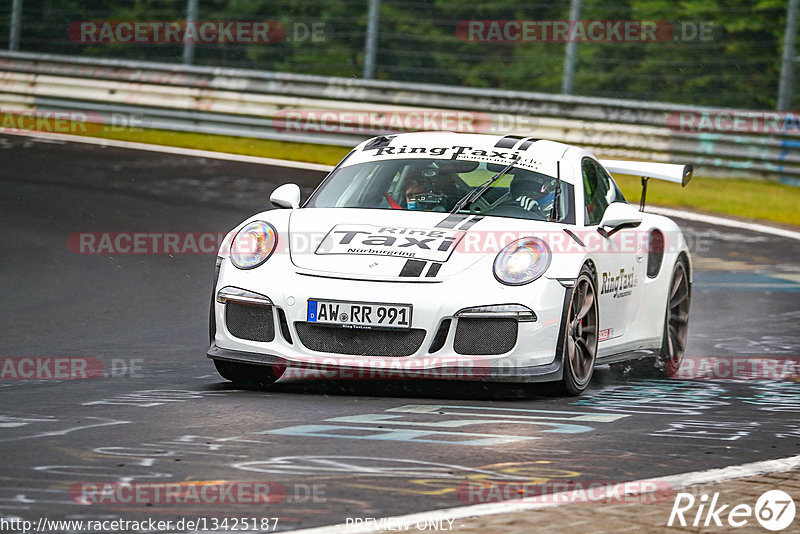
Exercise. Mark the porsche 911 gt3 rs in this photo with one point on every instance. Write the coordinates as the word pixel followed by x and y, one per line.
pixel 454 256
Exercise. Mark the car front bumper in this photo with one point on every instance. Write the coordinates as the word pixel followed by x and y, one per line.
pixel 532 358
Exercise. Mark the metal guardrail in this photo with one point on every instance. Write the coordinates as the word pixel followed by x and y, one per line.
pixel 252 103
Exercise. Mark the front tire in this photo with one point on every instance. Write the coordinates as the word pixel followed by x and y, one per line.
pixel 676 321
pixel 579 341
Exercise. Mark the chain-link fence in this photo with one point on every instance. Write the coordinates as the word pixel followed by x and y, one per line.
pixel 708 52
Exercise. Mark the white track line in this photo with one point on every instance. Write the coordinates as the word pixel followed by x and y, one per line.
pixel 689 216
pixel 676 481
pixel 169 150
pixel 722 221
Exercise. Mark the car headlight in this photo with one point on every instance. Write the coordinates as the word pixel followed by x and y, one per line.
pixel 522 261
pixel 253 244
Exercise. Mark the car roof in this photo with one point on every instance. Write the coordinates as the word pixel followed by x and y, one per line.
pixel 533 154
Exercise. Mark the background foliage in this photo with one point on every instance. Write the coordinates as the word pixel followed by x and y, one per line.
pixel 739 67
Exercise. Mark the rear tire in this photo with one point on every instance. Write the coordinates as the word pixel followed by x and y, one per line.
pixel 245 374
pixel 579 341
pixel 676 321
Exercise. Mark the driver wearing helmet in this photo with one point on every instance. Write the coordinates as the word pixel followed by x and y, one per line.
pixel 420 194
pixel 414 189
pixel 532 193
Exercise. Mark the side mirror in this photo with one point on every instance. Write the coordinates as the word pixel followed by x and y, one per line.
pixel 286 196
pixel 619 215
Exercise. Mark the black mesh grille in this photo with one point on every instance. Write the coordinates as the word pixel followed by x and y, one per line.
pixel 359 342
pixel 248 321
pixel 441 337
pixel 485 336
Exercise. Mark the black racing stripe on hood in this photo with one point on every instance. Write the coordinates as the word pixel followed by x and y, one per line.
pixel 527 143
pixel 468 224
pixel 378 142
pixel 433 270
pixel 413 268
pixel 452 220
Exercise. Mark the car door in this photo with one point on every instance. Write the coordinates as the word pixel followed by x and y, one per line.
pixel 619 275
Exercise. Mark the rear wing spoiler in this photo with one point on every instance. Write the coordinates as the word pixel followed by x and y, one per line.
pixel 679 174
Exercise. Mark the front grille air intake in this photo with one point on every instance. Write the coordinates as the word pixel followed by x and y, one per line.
pixel 359 342
pixel 441 337
pixel 284 326
pixel 485 336
pixel 253 322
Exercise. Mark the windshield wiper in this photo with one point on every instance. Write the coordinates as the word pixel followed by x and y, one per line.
pixel 476 193
pixel 554 215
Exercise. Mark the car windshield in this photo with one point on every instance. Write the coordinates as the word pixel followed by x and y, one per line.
pixel 438 184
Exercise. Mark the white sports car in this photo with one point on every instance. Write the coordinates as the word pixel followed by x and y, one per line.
pixel 454 256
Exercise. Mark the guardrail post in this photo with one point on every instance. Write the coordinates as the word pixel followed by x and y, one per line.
pixel 16 22
pixel 571 52
pixel 787 64
pixel 371 45
pixel 191 18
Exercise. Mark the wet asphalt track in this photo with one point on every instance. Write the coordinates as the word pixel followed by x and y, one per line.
pixel 173 419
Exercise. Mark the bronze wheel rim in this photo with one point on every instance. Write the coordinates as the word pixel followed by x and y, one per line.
pixel 581 339
pixel 677 320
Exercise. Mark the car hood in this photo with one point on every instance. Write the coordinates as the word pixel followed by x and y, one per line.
pixel 398 245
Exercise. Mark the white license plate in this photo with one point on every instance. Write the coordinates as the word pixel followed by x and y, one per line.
pixel 359 314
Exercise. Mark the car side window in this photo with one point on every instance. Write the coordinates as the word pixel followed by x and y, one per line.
pixel 614 192
pixel 598 191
